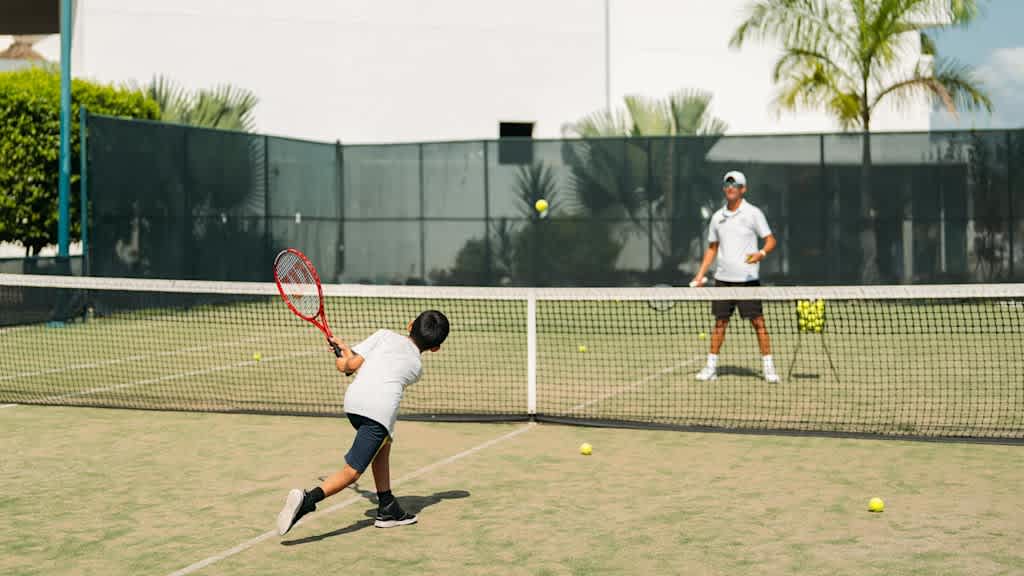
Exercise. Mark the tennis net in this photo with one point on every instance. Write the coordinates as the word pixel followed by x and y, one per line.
pixel 936 361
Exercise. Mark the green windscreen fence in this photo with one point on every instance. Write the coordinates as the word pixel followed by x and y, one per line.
pixel 179 202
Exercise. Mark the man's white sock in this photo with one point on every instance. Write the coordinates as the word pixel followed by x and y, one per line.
pixel 768 364
pixel 713 360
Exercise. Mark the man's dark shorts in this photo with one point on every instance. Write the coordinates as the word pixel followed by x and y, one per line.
pixel 749 309
pixel 371 436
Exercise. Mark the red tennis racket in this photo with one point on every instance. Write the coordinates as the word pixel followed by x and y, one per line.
pixel 299 285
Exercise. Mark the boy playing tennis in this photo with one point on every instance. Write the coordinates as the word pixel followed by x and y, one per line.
pixel 389 362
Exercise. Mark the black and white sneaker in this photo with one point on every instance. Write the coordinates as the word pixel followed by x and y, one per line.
pixel 292 511
pixel 392 515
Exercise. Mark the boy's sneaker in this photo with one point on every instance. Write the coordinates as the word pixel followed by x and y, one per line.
pixel 392 515
pixel 294 509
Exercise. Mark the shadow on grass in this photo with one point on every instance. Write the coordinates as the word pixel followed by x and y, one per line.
pixel 411 504
pixel 726 370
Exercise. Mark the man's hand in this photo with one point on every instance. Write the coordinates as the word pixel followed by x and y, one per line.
pixel 698 281
pixel 755 257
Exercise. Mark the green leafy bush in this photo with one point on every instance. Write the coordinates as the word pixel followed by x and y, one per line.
pixel 30 148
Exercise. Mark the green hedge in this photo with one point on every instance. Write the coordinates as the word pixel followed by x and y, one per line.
pixel 30 148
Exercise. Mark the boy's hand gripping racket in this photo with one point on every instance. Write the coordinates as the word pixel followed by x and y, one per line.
pixel 299 285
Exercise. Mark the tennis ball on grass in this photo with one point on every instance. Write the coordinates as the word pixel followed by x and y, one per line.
pixel 586 449
pixel 581 348
pixel 257 356
pixel 876 505
pixel 702 335
pixel 541 205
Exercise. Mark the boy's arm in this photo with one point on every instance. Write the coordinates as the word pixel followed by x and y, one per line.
pixel 349 361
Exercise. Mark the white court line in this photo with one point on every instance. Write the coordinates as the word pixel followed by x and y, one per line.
pixel 181 375
pixel 637 384
pixel 348 502
pixel 125 359
pixel 173 376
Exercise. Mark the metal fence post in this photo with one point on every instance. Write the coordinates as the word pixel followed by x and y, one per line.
pixel 488 256
pixel 83 186
pixel 423 218
pixel 1009 193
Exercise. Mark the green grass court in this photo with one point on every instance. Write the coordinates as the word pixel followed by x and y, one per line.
pixel 90 491
pixel 95 491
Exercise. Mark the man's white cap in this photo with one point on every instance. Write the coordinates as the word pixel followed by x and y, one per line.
pixel 735 176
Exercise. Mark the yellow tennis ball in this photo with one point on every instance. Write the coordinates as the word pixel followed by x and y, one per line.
pixel 586 449
pixel 876 505
pixel 257 356
pixel 702 335
pixel 581 348
pixel 541 205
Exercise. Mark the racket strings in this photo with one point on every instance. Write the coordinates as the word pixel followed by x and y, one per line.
pixel 299 284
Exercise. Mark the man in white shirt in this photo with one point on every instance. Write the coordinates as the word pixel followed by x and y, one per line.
pixel 733 237
pixel 389 363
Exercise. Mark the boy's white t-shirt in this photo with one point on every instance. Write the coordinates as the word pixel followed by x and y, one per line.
pixel 390 363
pixel 737 233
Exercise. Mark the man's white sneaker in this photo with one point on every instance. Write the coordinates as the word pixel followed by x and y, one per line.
pixel 707 373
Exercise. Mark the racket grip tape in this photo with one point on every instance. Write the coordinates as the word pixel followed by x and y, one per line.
pixel 337 349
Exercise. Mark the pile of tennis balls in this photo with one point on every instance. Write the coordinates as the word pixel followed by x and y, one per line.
pixel 811 315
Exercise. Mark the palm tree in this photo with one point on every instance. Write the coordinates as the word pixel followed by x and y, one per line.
pixel 225 107
pixel 618 148
pixel 850 56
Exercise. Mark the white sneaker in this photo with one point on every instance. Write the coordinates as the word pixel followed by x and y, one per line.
pixel 291 512
pixel 707 373
pixel 770 376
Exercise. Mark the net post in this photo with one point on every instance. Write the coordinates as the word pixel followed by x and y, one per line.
pixel 531 353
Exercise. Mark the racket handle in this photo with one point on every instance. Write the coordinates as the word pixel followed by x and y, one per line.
pixel 337 350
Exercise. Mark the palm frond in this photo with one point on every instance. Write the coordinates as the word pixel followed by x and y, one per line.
pixel 947 82
pixel 226 107
pixel 810 24
pixel 600 124
pixel 647 117
pixel 847 56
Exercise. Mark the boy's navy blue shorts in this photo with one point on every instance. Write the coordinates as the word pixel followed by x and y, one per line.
pixel 371 436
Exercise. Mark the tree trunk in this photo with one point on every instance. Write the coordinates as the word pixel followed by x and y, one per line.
pixel 868 236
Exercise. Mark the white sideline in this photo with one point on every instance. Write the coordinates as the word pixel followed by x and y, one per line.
pixel 638 383
pixel 348 502
pixel 174 376
pixel 122 360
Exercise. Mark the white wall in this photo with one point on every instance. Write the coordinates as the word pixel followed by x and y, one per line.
pixel 409 70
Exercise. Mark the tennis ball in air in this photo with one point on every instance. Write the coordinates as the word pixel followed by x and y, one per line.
pixel 581 348
pixel 586 449
pixel 702 335
pixel 876 505
pixel 541 205
pixel 257 356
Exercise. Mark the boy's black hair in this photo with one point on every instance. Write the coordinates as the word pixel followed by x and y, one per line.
pixel 429 329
